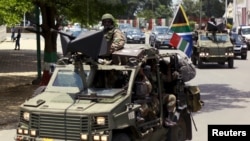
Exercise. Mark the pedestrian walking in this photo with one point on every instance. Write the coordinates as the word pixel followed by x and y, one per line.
pixel 12 30
pixel 17 38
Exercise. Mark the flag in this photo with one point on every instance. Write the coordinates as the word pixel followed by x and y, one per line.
pixel 180 25
pixel 180 43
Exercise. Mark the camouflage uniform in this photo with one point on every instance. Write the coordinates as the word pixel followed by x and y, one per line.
pixel 114 36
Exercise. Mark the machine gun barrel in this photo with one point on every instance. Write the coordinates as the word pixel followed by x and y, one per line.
pixel 71 37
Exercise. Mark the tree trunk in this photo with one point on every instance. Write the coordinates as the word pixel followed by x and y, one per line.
pixel 49 21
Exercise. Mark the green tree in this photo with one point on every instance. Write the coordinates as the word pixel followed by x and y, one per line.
pixel 213 7
pixel 11 11
pixel 192 8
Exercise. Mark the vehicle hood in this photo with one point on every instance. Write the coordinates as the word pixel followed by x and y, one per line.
pixel 247 36
pixel 135 34
pixel 215 44
pixel 65 101
pixel 239 43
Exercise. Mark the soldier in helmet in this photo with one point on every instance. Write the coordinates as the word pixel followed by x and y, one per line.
pixel 114 36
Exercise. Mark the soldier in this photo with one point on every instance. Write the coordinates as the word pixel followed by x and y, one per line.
pixel 211 25
pixel 114 36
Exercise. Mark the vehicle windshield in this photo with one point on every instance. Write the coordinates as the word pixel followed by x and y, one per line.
pixel 217 37
pixel 237 38
pixel 163 30
pixel 67 78
pixel 96 80
pixel 123 26
pixel 134 30
pixel 245 31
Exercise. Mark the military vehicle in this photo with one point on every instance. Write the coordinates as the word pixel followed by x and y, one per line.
pixel 212 46
pixel 89 98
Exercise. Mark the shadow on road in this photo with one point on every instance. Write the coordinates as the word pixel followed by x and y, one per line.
pixel 221 96
pixel 18 61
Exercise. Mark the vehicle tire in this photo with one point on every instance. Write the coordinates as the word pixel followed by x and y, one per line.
pixel 194 60
pixel 231 62
pixel 244 56
pixel 199 63
pixel 179 131
pixel 121 137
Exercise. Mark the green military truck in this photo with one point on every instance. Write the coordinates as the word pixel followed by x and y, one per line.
pixel 92 99
pixel 212 47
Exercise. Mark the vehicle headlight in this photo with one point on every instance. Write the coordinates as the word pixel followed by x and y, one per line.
pixel 33 132
pixel 104 138
pixel 129 36
pixel 244 46
pixel 26 116
pixel 84 137
pixel 96 138
pixel 100 120
pixel 26 131
pixel 20 131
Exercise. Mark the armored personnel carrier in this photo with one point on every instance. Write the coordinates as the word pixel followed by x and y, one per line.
pixel 212 46
pixel 89 98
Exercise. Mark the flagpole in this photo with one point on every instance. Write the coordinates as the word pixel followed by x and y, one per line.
pixel 176 10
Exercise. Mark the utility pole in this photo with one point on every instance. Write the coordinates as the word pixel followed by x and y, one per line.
pixel 226 14
pixel 38 48
pixel 200 13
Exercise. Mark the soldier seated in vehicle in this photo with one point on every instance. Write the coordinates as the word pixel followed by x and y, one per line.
pixel 143 89
pixel 110 79
pixel 169 82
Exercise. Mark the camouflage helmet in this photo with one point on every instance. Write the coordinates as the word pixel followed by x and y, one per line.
pixel 108 16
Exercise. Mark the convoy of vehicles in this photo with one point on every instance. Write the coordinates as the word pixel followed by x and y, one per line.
pixel 212 47
pixel 90 100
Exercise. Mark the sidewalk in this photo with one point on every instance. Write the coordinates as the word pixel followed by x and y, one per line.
pixel 27 42
pixel 23 61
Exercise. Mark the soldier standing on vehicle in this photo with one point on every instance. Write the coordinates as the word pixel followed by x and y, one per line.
pixel 114 36
pixel 211 24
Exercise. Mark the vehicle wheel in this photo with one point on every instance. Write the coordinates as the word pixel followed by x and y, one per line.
pixel 244 56
pixel 194 60
pixel 199 63
pixel 179 131
pixel 121 137
pixel 230 62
